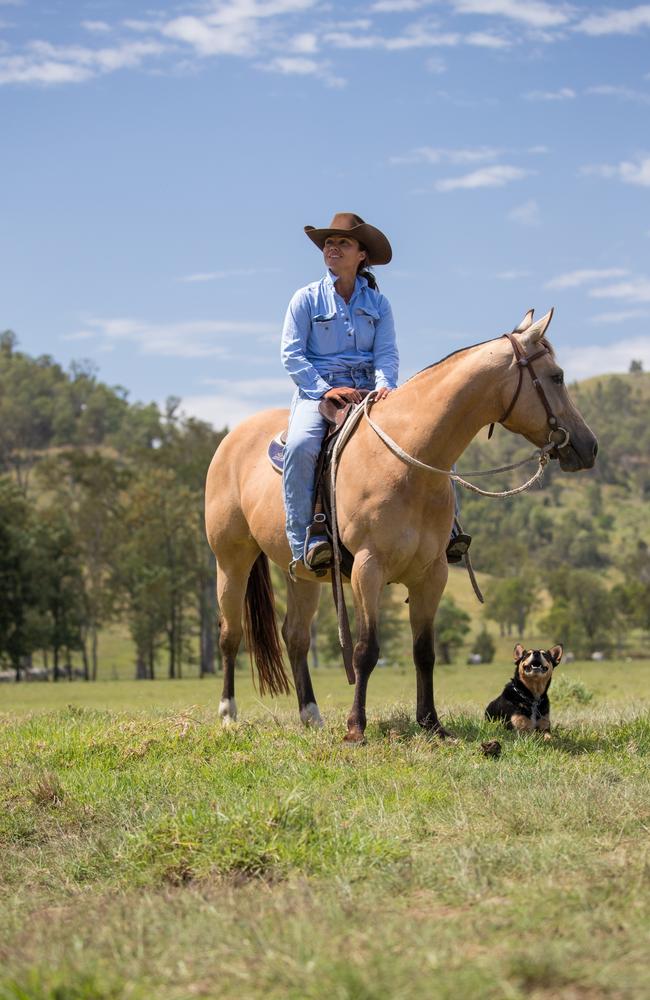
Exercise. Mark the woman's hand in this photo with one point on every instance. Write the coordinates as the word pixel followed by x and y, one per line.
pixel 382 393
pixel 344 394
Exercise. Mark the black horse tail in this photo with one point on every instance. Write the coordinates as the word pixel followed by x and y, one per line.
pixel 261 630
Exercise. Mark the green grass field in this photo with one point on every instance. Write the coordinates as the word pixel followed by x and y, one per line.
pixel 147 853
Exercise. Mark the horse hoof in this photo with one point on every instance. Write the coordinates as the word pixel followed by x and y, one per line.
pixel 310 716
pixel 227 711
pixel 354 736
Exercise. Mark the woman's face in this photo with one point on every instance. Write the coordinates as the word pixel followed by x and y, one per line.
pixel 343 254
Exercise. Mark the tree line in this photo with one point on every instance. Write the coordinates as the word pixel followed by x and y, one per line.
pixel 101 521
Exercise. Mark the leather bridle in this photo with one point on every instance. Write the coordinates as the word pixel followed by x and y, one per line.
pixel 558 435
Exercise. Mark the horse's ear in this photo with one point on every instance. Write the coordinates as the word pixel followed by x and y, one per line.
pixel 535 332
pixel 526 321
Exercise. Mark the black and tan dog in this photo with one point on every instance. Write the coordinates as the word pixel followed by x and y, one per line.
pixel 523 704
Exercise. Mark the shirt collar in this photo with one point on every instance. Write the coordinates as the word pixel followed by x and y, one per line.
pixel 360 283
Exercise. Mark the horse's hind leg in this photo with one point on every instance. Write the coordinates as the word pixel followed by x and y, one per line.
pixel 232 580
pixel 302 604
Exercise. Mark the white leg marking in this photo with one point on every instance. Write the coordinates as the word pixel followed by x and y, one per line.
pixel 227 711
pixel 310 715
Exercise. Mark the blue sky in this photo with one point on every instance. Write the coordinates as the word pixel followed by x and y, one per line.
pixel 159 163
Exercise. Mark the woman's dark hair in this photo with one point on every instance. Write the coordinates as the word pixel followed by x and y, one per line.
pixel 364 270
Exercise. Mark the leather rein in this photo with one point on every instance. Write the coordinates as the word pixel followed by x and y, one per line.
pixel 558 435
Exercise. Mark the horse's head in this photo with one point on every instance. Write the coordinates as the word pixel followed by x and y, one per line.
pixel 542 409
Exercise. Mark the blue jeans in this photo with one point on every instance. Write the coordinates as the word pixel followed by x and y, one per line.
pixel 304 440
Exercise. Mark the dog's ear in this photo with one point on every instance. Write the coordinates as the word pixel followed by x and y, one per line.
pixel 556 653
pixel 518 652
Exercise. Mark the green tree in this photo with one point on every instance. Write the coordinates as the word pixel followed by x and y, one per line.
pixel 583 616
pixel 509 603
pixel 17 577
pixel 60 583
pixel 484 646
pixel 451 626
pixel 153 565
pixel 187 448
pixel 87 485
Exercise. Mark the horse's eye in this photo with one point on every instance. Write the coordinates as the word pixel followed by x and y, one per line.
pixel 558 378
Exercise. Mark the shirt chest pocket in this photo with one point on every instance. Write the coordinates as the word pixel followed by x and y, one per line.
pixel 364 325
pixel 325 334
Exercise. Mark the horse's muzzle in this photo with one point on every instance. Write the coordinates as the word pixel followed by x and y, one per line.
pixel 580 453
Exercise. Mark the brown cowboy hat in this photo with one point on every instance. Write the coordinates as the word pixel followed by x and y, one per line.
pixel 348 224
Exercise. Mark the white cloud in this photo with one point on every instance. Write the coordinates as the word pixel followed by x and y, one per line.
pixel 212 37
pixel 96 27
pixel 232 272
pixel 627 171
pixel 302 66
pixel 633 290
pixel 397 6
pixel 622 316
pixel 534 13
pixel 23 69
pixel 496 176
pixel 233 27
pixel 234 401
pixel 241 28
pixel 79 335
pixel 487 40
pixel 617 90
pixel 415 36
pixel 305 43
pixel 434 155
pixel 513 275
pixel 49 64
pixel 436 64
pixel 601 359
pixel 563 94
pixel 191 339
pixel 584 276
pixel 616 22
pixel 526 214
pixel 255 388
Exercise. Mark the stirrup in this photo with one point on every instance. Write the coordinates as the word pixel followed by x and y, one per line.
pixel 319 556
pixel 458 547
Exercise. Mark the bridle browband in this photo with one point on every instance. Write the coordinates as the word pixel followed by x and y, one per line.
pixel 524 361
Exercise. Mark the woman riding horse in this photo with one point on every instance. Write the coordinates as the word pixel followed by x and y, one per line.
pixel 338 339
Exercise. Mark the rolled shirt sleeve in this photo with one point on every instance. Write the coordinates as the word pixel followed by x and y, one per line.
pixel 296 329
pixel 385 353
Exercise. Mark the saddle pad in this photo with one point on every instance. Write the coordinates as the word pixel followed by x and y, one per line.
pixel 275 451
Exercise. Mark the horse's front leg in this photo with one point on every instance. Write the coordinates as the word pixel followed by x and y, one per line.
pixel 424 597
pixel 302 605
pixel 367 582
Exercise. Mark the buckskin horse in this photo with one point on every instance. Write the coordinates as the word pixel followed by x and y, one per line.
pixel 394 517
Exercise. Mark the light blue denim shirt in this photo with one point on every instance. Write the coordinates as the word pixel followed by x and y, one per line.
pixel 325 335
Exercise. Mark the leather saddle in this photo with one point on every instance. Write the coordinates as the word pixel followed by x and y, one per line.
pixel 336 414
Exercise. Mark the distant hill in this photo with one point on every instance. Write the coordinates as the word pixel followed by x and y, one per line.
pixel 595 523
